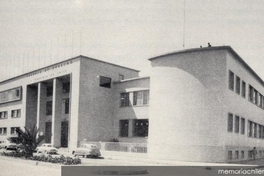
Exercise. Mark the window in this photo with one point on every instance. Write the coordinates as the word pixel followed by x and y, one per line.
pixel 242 154
pixel 237 85
pixel 3 131
pixel 66 106
pixel 16 113
pixel 66 87
pixel 49 108
pixel 141 98
pixel 237 124
pixel 254 130
pixel 259 131
pixel 105 82
pixel 230 122
pixel 250 128
pixel 121 77
pixel 262 132
pixel 124 99
pixel 260 100
pixel 141 128
pixel 250 93
pixel 13 130
pixel 3 115
pixel 229 156
pixel 255 97
pixel 242 125
pixel 49 91
pixel 243 89
pixel 231 80
pixel 236 154
pixel 123 128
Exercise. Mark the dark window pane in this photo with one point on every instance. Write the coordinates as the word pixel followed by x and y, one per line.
pixel 141 128
pixel 105 82
pixel 123 128
pixel 49 108
pixel 49 91
pixel 231 80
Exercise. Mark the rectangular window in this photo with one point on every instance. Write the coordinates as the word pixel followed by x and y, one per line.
pixel 141 128
pixel 66 106
pixel 16 113
pixel 237 124
pixel 230 122
pixel 237 85
pixel 229 156
pixel 250 93
pixel 250 128
pixel 121 77
pixel 242 125
pixel 260 100
pixel 254 130
pixel 66 87
pixel 123 128
pixel 105 82
pixel 3 131
pixel 141 97
pixel 236 154
pixel 262 132
pixel 125 99
pixel 231 80
pixel 259 131
pixel 242 154
pixel 13 130
pixel 255 97
pixel 243 89
pixel 3 115
pixel 49 91
pixel 49 108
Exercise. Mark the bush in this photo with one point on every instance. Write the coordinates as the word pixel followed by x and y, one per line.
pixel 46 158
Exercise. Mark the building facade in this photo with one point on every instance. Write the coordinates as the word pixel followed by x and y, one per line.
pixel 203 104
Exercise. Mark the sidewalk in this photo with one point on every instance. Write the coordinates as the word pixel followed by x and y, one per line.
pixel 144 159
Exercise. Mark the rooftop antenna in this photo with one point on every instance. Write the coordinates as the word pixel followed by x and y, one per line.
pixel 183 44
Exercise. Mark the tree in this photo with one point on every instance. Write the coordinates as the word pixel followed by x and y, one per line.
pixel 29 139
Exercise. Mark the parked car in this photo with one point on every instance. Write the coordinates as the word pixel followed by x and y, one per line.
pixel 11 146
pixel 87 150
pixel 46 148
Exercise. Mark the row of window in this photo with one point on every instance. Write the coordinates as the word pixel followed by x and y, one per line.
pixel 3 130
pixel 237 124
pixel 66 103
pixel 65 89
pixel 235 83
pixel 241 155
pixel 140 128
pixel 14 114
pixel 139 98
pixel 255 97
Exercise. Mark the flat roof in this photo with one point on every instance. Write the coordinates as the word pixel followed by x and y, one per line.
pixel 228 48
pixel 73 58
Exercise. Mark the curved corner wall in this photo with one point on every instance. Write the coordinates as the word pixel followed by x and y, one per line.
pixel 178 117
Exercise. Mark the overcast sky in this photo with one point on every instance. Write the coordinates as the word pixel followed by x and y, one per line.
pixel 125 32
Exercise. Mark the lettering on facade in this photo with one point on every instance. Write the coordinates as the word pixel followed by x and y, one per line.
pixel 50 68
pixel 11 95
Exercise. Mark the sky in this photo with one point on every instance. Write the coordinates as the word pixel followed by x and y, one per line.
pixel 38 33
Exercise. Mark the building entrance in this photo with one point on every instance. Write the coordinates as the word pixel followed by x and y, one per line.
pixel 64 133
pixel 48 132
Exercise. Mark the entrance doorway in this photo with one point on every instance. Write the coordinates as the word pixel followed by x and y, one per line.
pixel 48 132
pixel 64 133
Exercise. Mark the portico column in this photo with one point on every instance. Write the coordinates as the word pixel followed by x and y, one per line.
pixel 41 104
pixel 56 112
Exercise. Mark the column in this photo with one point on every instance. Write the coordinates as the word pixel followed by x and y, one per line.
pixel 56 112
pixel 41 106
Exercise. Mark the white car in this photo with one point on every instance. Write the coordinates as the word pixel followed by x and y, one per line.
pixel 87 150
pixel 46 148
